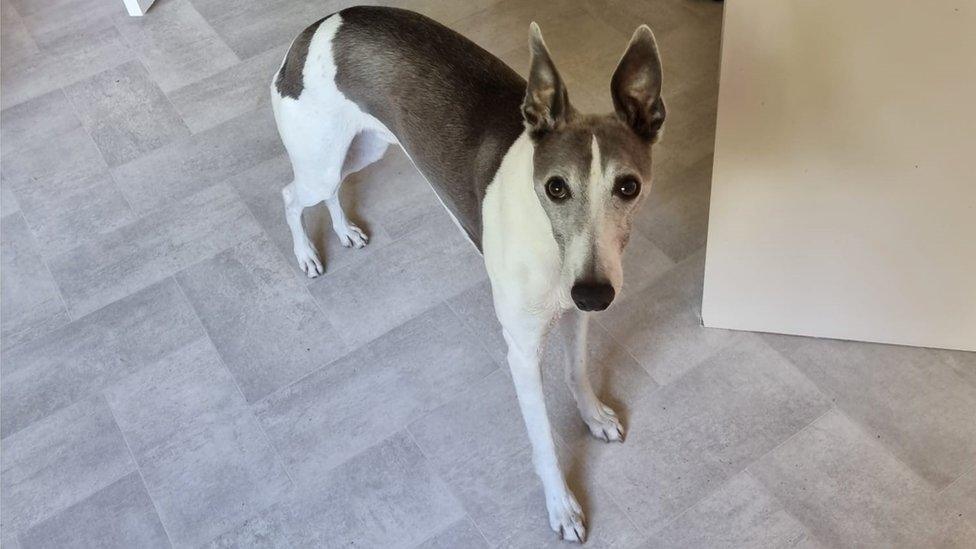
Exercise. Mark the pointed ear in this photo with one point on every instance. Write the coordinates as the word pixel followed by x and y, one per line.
pixel 636 86
pixel 546 104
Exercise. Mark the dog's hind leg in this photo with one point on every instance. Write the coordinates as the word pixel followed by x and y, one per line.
pixel 600 418
pixel 366 148
pixel 316 138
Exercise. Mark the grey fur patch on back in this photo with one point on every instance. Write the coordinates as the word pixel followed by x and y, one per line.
pixel 454 107
pixel 291 80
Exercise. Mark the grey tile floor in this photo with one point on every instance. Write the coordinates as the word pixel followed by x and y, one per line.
pixel 169 377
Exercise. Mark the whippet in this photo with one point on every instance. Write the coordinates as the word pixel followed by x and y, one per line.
pixel 547 193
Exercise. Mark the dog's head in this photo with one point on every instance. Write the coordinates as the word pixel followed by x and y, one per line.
pixel 592 172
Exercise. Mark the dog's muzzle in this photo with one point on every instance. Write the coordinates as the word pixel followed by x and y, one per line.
pixel 592 296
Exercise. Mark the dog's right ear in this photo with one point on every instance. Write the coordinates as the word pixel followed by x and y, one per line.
pixel 546 104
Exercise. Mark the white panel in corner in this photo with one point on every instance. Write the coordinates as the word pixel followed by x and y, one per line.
pixel 137 8
pixel 844 187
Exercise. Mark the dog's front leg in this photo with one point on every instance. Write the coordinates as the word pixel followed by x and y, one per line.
pixel 524 349
pixel 600 418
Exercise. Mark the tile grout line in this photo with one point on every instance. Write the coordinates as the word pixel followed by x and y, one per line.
pixel 965 472
pixel 138 57
pixel 888 451
pixel 135 461
pixel 745 469
pixel 406 429
pixel 782 505
pixel 857 424
pixel 57 286
pixel 247 405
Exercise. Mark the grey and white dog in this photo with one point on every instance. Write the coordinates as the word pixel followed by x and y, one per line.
pixel 547 193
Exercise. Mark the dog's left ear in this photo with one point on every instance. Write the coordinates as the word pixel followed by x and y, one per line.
pixel 636 86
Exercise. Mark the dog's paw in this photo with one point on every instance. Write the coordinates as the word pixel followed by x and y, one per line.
pixel 566 517
pixel 604 423
pixel 308 261
pixel 351 236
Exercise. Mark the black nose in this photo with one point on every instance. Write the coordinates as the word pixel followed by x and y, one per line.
pixel 592 296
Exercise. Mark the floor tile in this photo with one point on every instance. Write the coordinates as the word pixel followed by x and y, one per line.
pixel 256 27
pixel 268 329
pixel 462 533
pixel 31 301
pixel 8 202
pixel 260 187
pixel 689 139
pixel 53 164
pixel 739 514
pixel 119 515
pixel 240 89
pixel 386 497
pixel 176 44
pixel 60 461
pixel 960 496
pixel 963 363
pixel 260 532
pixel 914 403
pixel 408 276
pixel 88 355
pixel 675 217
pixel 356 402
pixel 36 122
pixel 690 52
pixel 662 17
pixel 686 438
pixel 62 62
pixel 644 263
pixel 65 193
pixel 125 112
pixel 48 20
pixel 661 324
pixel 196 162
pixel 446 12
pixel 188 389
pixel 848 490
pixel 476 310
pixel 66 214
pixel 15 41
pixel 152 248
pixel 206 462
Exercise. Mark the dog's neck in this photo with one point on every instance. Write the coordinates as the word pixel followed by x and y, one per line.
pixel 518 242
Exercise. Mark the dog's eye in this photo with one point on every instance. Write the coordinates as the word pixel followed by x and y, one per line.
pixel 557 189
pixel 627 187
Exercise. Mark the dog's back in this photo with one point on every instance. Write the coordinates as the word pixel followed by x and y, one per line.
pixel 452 106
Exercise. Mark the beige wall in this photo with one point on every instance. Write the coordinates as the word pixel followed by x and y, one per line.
pixel 844 189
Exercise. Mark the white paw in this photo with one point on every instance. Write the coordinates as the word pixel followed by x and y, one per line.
pixel 566 518
pixel 351 236
pixel 604 423
pixel 308 261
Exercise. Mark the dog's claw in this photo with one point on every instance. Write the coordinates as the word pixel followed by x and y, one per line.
pixel 308 261
pixel 351 236
pixel 566 518
pixel 604 424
